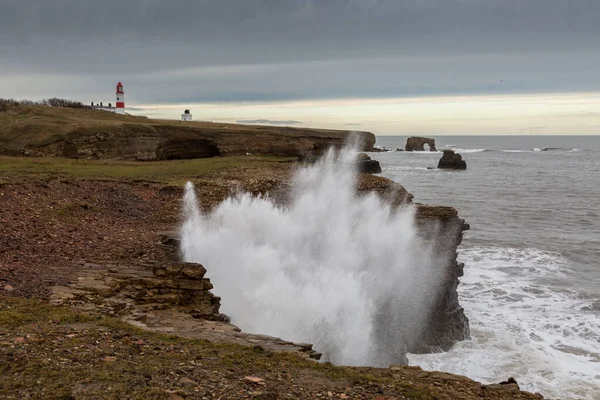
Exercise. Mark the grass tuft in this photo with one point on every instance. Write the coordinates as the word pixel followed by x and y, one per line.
pixel 173 172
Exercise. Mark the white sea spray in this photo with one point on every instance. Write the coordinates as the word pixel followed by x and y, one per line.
pixel 342 271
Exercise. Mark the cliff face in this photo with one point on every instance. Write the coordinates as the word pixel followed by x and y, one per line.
pixel 164 142
pixel 442 228
pixel 88 134
pixel 163 297
pixel 439 226
pixel 448 323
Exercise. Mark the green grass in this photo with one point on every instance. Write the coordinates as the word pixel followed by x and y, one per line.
pixel 173 172
pixel 52 352
pixel 16 313
pixel 36 125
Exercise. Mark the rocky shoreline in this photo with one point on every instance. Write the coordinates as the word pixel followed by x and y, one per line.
pixel 119 223
pixel 93 245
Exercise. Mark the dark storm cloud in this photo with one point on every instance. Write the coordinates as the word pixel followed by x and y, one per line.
pixel 223 50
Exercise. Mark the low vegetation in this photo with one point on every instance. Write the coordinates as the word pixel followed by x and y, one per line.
pixel 171 172
pixel 25 129
pixel 8 104
pixel 57 353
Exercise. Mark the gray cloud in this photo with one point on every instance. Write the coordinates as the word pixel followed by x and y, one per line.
pixel 269 50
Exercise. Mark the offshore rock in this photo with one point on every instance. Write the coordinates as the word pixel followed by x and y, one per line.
pixel 417 143
pixel 366 165
pixel 363 163
pixel 452 160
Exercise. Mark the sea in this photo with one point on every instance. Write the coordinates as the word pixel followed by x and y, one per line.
pixel 531 287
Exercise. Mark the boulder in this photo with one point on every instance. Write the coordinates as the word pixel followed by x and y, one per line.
pixel 369 166
pixel 366 165
pixel 452 160
pixel 417 143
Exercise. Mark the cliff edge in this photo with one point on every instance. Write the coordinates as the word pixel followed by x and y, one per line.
pixel 82 228
pixel 94 134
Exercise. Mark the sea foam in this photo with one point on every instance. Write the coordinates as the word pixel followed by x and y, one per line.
pixel 523 326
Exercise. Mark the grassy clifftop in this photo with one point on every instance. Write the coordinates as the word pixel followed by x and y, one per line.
pixel 85 133
pixel 23 125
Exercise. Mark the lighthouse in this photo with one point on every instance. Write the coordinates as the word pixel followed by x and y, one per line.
pixel 120 99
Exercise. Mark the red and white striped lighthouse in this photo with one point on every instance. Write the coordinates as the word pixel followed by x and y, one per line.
pixel 120 99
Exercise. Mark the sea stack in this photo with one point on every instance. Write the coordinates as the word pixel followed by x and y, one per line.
pixel 452 160
pixel 365 164
pixel 416 143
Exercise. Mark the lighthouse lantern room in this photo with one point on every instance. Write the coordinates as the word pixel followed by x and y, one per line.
pixel 120 109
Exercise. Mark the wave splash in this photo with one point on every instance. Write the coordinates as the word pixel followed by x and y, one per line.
pixel 521 326
pixel 342 271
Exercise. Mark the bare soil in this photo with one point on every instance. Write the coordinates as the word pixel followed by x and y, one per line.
pixel 54 353
pixel 50 222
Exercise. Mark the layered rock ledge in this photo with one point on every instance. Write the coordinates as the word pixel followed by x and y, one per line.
pixel 448 323
pixel 440 226
pixel 172 297
pixel 58 132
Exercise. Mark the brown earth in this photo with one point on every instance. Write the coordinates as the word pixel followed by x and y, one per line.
pixel 53 223
pixel 54 353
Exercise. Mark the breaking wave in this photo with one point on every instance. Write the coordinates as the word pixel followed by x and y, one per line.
pixel 523 326
pixel 342 271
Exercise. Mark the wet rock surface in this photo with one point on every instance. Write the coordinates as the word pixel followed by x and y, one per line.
pixel 365 164
pixel 447 321
pixel 452 160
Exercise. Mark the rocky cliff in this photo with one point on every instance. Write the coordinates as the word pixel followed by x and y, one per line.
pixel 443 229
pixel 163 297
pixel 440 226
pixel 95 242
pixel 96 134
pixel 168 142
pixel 447 321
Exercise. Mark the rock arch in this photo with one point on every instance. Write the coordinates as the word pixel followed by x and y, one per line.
pixel 416 143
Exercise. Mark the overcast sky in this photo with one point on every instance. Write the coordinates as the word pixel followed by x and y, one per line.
pixel 334 63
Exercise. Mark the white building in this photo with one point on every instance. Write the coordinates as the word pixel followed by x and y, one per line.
pixel 186 116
